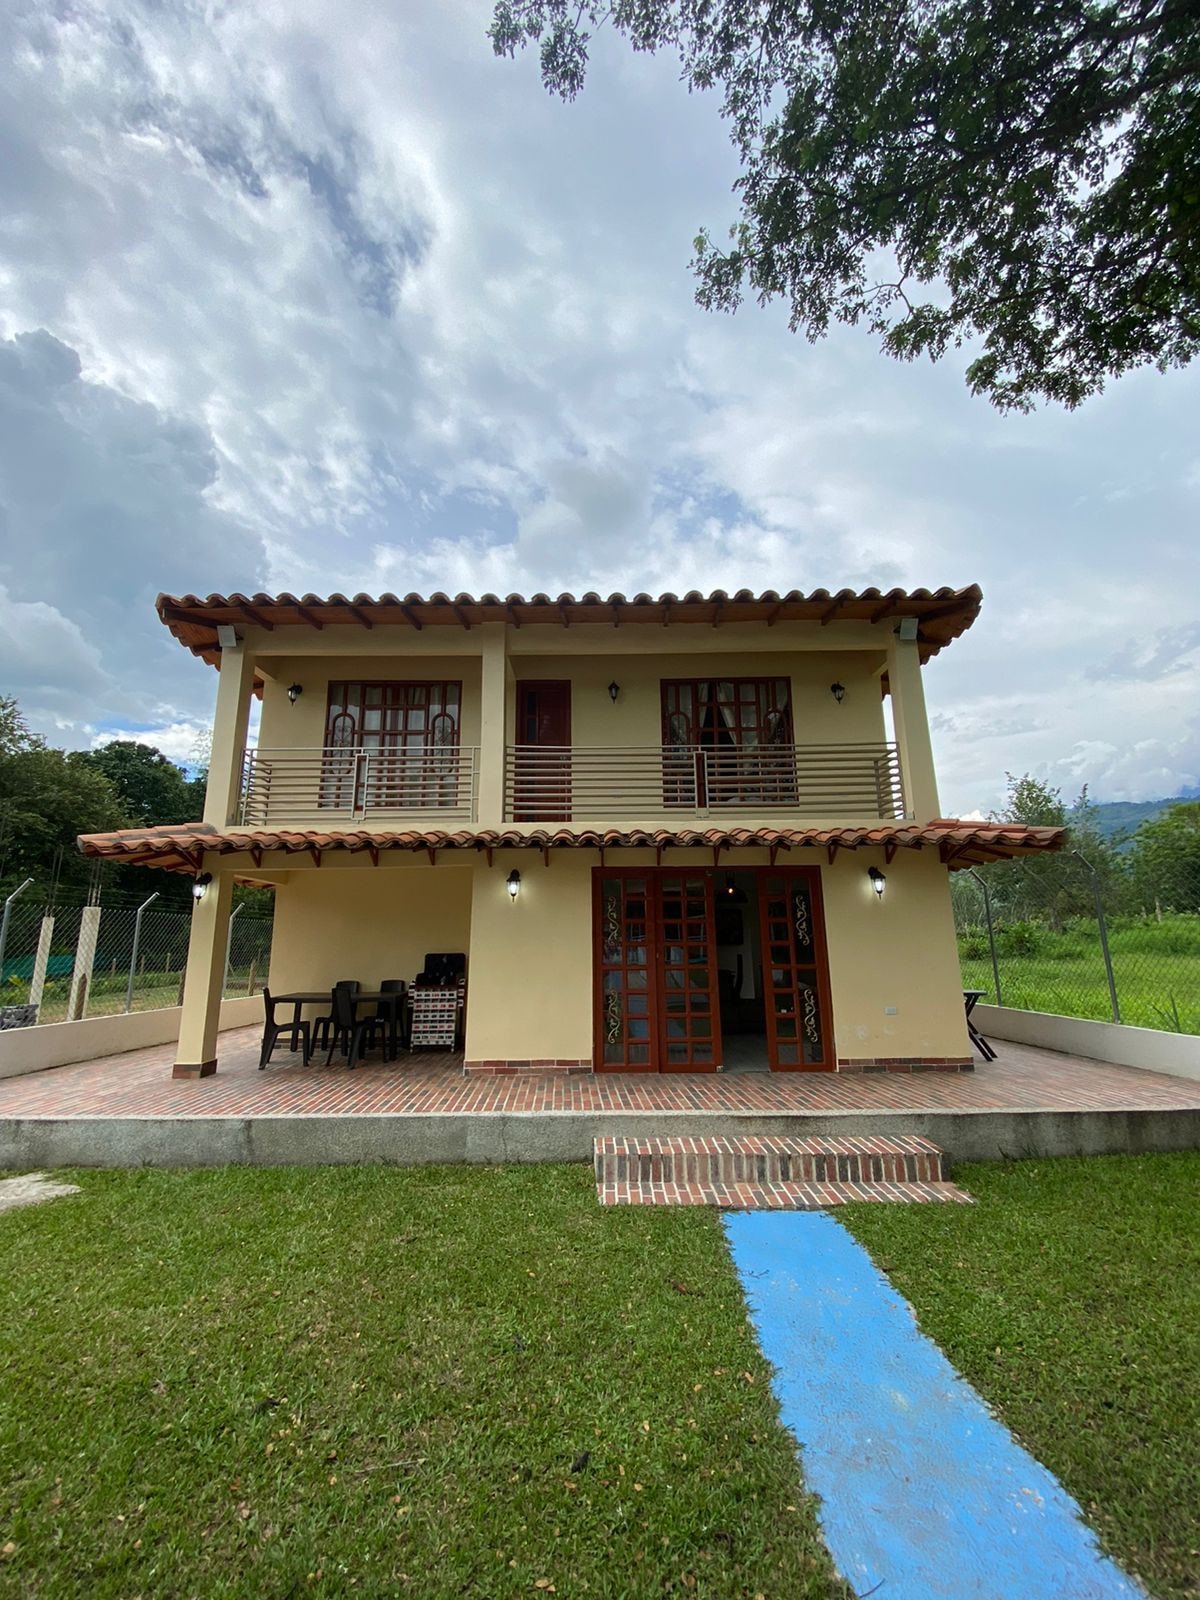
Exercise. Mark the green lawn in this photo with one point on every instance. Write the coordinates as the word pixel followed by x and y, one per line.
pixel 438 1382
pixel 1070 1296
pixel 1156 966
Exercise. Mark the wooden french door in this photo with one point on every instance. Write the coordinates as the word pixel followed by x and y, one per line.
pixel 656 971
pixel 543 757
pixel 795 970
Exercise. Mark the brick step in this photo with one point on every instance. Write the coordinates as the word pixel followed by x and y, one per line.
pixel 769 1161
pixel 775 1196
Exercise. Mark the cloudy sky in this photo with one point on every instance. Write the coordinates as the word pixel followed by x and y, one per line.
pixel 317 296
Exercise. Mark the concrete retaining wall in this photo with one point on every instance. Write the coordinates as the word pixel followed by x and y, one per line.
pixel 58 1044
pixel 1147 1048
pixel 417 1139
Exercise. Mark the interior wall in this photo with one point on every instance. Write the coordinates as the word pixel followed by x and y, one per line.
pixel 748 949
pixel 369 925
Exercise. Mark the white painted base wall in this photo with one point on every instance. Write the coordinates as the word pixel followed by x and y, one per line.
pixel 1147 1048
pixel 58 1044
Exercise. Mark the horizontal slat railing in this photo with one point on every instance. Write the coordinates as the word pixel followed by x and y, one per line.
pixel 318 787
pixel 583 783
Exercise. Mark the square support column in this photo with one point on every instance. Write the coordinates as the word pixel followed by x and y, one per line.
pixel 204 978
pixel 912 729
pixel 492 724
pixel 230 722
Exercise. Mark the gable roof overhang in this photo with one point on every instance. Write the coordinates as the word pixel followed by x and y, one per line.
pixel 941 614
pixel 182 847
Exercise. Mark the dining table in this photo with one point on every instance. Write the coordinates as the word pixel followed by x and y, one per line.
pixel 391 1001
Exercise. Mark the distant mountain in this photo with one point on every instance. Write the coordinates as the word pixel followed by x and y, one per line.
pixel 1117 819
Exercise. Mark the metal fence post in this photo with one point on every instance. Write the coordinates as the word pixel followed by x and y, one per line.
pixel 229 947
pixel 133 955
pixel 20 889
pixel 987 911
pixel 1102 926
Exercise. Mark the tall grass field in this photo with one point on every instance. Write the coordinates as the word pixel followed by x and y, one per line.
pixel 1156 968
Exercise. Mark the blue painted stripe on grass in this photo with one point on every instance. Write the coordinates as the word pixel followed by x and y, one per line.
pixel 924 1494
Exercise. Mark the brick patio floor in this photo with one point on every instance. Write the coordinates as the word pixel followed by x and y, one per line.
pixel 139 1084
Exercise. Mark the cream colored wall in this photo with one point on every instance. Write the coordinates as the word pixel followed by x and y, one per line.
pixel 636 717
pixel 368 924
pixel 531 985
pixel 59 1044
pixel 899 951
pixel 302 725
pixel 529 991
pixel 530 979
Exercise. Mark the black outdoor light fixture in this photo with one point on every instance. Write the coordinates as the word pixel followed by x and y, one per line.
pixel 614 690
pixel 878 881
pixel 513 884
pixel 838 691
pixel 200 884
pixel 295 690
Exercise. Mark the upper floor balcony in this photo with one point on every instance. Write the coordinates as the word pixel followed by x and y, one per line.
pixel 572 784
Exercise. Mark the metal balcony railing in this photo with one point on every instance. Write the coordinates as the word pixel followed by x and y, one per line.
pixel 612 784
pixel 298 786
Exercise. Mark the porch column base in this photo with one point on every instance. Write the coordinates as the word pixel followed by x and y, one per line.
pixel 512 1069
pixel 183 1069
pixel 907 1064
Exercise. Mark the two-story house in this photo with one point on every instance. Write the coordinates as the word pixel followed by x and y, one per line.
pixel 668 834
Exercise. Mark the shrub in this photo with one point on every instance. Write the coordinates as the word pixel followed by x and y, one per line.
pixel 1019 939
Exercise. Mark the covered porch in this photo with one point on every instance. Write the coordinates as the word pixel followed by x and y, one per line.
pixel 617 950
pixel 126 1110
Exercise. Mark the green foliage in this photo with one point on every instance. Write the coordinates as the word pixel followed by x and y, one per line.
pixel 1030 172
pixel 1156 965
pixel 1164 859
pixel 47 797
pixel 152 788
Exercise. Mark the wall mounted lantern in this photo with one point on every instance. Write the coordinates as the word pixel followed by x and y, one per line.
pixel 200 885
pixel 513 884
pixel 614 690
pixel 838 691
pixel 878 881
pixel 295 690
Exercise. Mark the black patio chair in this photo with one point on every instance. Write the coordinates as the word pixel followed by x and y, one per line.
pixel 322 1025
pixel 383 1013
pixel 296 1027
pixel 349 1030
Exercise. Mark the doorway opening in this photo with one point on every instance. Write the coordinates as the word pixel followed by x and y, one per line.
pixel 739 972
pixel 701 970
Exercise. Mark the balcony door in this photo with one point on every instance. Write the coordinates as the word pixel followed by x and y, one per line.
pixel 543 757
pixel 392 746
pixel 728 742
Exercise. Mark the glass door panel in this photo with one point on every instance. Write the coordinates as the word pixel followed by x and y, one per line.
pixel 795 973
pixel 689 1036
pixel 656 983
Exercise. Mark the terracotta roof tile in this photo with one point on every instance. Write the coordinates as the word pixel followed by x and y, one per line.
pixel 942 614
pixel 181 847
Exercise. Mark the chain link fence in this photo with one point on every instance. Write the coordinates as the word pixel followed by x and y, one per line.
pixel 59 963
pixel 1054 934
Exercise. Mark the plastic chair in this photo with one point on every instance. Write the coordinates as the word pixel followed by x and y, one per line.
pixel 273 1030
pixel 349 1030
